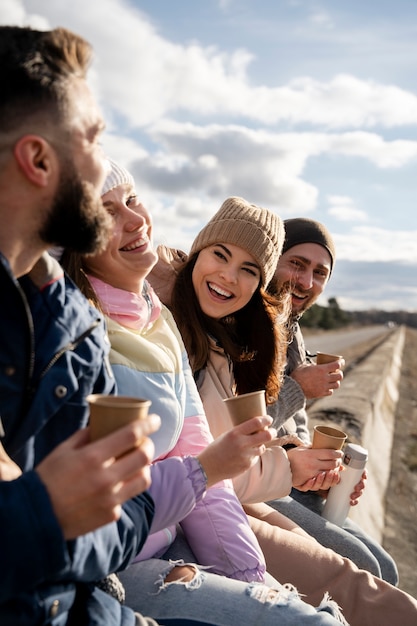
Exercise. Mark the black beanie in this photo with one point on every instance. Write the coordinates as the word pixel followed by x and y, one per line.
pixel 304 230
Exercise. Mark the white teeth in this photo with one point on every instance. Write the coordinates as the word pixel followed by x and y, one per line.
pixel 135 244
pixel 221 292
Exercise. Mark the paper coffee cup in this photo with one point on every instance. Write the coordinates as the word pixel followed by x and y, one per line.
pixel 328 437
pixel 325 357
pixel 245 406
pixel 108 413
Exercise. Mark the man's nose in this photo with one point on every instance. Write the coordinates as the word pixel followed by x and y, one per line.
pixel 305 279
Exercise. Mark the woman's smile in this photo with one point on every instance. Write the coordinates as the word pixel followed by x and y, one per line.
pixel 129 255
pixel 219 292
pixel 225 277
pixel 134 245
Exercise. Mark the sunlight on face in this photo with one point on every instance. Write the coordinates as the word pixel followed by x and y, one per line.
pixel 306 268
pixel 225 277
pixel 129 256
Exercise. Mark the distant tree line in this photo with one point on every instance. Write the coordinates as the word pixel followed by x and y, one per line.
pixel 332 316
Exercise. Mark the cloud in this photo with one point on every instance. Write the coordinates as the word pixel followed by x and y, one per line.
pixel 385 154
pixel 366 285
pixel 14 13
pixel 225 4
pixel 371 244
pixel 343 209
pixel 227 160
pixel 218 160
pixel 321 18
pixel 160 78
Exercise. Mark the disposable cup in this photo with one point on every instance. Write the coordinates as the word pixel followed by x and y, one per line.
pixel 245 406
pixel 108 413
pixel 325 357
pixel 328 437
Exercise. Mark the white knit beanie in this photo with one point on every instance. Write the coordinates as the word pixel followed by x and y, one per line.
pixel 117 175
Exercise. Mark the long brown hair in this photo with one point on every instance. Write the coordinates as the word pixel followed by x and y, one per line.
pixel 254 338
pixel 73 264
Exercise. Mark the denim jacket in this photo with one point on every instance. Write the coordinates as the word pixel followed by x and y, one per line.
pixel 53 353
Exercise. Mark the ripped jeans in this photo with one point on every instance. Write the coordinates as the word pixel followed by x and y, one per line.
pixel 218 601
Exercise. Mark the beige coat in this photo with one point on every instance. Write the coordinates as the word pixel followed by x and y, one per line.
pixel 271 476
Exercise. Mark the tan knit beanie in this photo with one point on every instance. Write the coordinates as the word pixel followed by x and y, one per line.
pixel 117 175
pixel 258 231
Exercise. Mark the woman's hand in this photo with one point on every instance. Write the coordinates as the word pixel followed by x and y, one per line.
pixel 237 450
pixel 314 469
pixel 359 489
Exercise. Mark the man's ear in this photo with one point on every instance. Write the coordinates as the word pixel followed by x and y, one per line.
pixel 36 159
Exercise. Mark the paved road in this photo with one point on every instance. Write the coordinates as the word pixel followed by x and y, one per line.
pixel 335 341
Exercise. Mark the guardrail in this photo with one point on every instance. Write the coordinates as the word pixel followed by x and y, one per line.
pixel 364 407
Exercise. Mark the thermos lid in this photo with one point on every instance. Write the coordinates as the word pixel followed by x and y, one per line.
pixel 354 454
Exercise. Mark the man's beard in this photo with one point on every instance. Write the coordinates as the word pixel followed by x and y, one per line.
pixel 77 220
pixel 288 287
pixel 302 307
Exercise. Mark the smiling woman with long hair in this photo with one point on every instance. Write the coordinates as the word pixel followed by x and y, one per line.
pixel 235 332
pixel 255 342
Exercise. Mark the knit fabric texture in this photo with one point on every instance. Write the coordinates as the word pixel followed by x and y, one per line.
pixel 117 175
pixel 257 230
pixel 305 230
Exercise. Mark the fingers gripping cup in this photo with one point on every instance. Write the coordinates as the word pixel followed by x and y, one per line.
pixel 245 406
pixel 108 413
pixel 328 437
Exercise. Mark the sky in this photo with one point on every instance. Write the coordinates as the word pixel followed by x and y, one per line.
pixel 307 107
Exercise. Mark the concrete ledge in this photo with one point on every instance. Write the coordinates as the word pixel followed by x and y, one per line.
pixel 364 407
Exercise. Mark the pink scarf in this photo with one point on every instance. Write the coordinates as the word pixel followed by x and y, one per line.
pixel 133 310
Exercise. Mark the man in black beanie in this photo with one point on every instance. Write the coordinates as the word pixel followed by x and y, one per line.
pixel 305 266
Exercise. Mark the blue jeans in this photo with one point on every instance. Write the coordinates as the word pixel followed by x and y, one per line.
pixel 350 541
pixel 219 601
